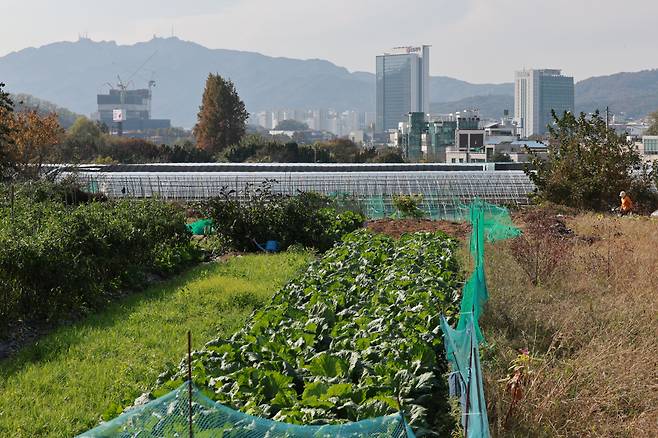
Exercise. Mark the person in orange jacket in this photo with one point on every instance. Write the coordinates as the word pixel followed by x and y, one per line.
pixel 626 204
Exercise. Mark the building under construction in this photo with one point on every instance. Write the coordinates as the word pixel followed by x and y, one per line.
pixel 135 107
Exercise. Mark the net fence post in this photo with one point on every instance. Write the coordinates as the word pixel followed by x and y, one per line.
pixel 189 379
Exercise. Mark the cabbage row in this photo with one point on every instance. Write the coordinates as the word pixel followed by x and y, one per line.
pixel 348 339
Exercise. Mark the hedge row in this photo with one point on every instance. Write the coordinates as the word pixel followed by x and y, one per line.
pixel 57 260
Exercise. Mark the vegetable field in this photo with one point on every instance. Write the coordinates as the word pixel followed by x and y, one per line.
pixel 349 338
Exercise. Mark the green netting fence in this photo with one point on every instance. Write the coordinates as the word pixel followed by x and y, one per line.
pixel 497 221
pixel 169 416
pixel 489 223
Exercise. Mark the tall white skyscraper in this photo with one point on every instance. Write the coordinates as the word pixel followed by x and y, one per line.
pixel 403 80
pixel 536 94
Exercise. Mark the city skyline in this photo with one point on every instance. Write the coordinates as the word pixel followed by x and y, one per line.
pixel 350 34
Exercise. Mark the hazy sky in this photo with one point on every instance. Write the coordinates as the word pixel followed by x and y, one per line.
pixel 474 40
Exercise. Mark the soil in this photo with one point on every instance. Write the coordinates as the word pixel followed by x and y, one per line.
pixel 542 221
pixel 396 227
pixel 22 334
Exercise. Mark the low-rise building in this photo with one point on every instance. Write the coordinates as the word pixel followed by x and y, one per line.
pixel 499 132
pixel 518 151
pixel 648 148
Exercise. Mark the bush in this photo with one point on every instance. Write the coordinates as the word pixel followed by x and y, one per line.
pixel 258 214
pixel 407 206
pixel 57 260
pixel 544 246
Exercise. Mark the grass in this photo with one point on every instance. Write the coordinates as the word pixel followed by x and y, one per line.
pixel 61 385
pixel 591 329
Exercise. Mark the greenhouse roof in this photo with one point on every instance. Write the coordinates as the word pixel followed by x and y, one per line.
pixel 292 167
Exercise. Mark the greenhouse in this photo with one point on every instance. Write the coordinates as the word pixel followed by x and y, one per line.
pixel 373 186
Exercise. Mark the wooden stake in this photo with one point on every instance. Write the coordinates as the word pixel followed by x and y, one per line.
pixel 189 379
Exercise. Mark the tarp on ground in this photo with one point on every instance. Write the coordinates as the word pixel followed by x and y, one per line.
pixel 202 227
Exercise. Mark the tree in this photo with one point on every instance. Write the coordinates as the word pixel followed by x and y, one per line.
pixel 84 140
pixel 653 124
pixel 291 125
pixel 588 164
pixel 222 116
pixel 32 139
pixel 389 155
pixel 6 109
pixel 342 150
pixel 500 157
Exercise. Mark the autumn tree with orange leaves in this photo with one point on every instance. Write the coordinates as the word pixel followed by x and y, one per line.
pixel 28 142
pixel 222 117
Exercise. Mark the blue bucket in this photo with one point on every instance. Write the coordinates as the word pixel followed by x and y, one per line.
pixel 271 246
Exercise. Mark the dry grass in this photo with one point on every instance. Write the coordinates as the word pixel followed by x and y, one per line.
pixel 592 329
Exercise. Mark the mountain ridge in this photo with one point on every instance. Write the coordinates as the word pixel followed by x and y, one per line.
pixel 71 73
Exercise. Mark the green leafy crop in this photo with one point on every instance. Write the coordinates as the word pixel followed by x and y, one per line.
pixel 345 341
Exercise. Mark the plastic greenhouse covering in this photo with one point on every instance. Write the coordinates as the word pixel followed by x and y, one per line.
pixel 442 191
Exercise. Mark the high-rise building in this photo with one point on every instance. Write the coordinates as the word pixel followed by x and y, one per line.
pixel 536 94
pixel 403 79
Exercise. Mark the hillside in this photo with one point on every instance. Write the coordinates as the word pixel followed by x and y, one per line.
pixel 72 73
pixel 28 102
pixel 445 89
pixel 635 94
pixel 490 106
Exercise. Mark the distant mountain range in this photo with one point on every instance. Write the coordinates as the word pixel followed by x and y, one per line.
pixel 635 94
pixel 491 106
pixel 72 73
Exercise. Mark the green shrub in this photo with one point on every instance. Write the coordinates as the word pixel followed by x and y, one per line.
pixel 57 259
pixel 588 164
pixel 213 246
pixel 408 206
pixel 258 214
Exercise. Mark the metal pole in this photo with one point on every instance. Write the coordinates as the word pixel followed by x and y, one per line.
pixel 189 378
pixel 12 197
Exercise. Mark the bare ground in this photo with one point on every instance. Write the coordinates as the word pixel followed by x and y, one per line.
pixel 396 227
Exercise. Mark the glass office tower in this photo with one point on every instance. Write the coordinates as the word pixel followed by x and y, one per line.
pixel 536 94
pixel 402 85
